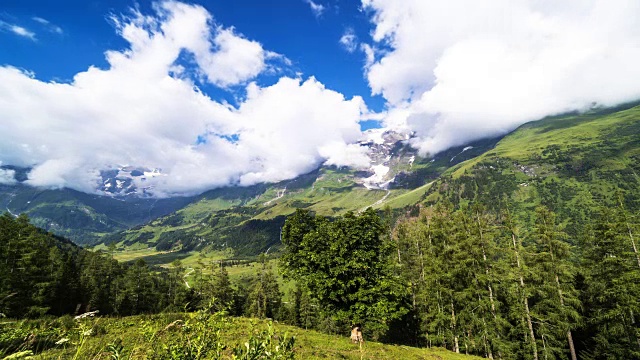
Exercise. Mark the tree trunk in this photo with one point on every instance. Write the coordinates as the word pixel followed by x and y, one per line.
pixel 456 348
pixel 487 346
pixel 525 300
pixel 530 323
pixel 569 336
pixel 571 347
pixel 486 267
pixel 633 242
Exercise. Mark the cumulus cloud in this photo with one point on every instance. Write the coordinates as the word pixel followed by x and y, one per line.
pixel 341 154
pixel 17 30
pixel 461 70
pixel 146 110
pixel 316 8
pixel 349 40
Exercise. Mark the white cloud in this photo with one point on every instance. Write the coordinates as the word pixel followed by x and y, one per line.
pixel 349 40
pixel 461 70
pixel 317 9
pixel 238 58
pixel 48 25
pixel 17 30
pixel 339 154
pixel 146 110
pixel 223 57
pixel 7 177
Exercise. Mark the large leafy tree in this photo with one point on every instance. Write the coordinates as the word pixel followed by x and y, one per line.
pixel 345 264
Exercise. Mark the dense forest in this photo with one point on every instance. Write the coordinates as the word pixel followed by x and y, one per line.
pixel 486 280
pixel 43 274
pixel 477 281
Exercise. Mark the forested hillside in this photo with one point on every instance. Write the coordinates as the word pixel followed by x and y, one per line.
pixel 83 218
pixel 531 248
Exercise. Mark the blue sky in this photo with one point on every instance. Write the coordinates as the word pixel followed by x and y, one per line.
pixel 289 27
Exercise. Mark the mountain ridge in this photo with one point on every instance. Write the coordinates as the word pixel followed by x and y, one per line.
pixel 567 152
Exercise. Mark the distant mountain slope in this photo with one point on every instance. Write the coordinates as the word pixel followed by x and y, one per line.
pixel 81 217
pixel 572 164
pixel 249 219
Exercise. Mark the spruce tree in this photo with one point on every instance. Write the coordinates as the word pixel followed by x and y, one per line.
pixel 518 291
pixel 557 300
pixel 613 288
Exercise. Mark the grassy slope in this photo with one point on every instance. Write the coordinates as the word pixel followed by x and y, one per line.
pixel 572 164
pixel 84 218
pixel 136 331
pixel 573 133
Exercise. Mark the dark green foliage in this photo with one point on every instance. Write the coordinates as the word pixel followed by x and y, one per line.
pixel 556 307
pixel 264 299
pixel 216 285
pixel 476 289
pixel 44 274
pixel 345 265
pixel 613 287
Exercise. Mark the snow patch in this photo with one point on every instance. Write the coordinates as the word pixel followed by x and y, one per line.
pixel 374 136
pixel 376 181
pixel 154 173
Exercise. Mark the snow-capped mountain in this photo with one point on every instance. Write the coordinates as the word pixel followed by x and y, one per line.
pixel 389 153
pixel 126 181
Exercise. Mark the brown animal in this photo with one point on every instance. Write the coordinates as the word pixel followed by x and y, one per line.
pixel 356 335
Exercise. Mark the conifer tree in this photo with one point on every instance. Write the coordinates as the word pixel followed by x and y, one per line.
pixel 519 291
pixel 222 290
pixel 613 281
pixel 557 304
pixel 265 298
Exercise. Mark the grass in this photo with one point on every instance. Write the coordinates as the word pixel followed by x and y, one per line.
pixel 136 334
pixel 405 199
pixel 567 133
pixel 130 255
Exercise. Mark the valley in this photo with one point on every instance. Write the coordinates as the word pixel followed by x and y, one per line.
pixel 568 168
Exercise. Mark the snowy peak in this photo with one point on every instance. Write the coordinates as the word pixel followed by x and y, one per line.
pixel 126 181
pixel 389 153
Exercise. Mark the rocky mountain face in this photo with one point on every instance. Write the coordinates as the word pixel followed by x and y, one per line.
pixel 121 182
pixel 389 155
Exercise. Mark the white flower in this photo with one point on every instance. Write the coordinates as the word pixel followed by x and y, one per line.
pixel 62 341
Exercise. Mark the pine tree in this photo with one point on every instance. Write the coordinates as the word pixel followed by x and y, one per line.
pixel 222 290
pixel 265 298
pixel 613 287
pixel 518 290
pixel 557 304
